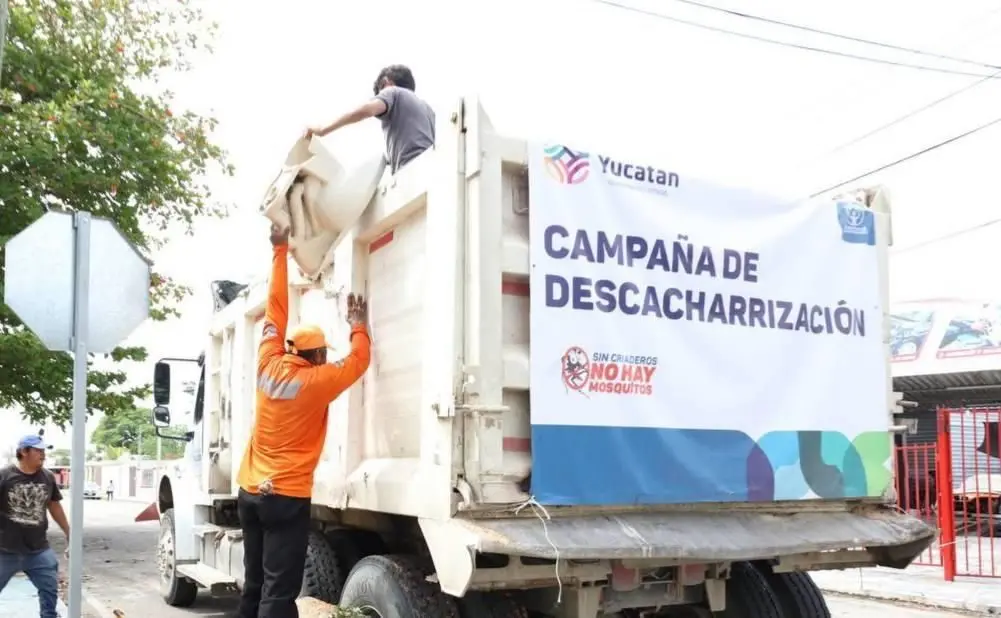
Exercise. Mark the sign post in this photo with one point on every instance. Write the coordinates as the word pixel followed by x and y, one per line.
pixel 81 287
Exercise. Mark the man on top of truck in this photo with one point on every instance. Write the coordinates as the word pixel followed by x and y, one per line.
pixel 407 120
pixel 294 388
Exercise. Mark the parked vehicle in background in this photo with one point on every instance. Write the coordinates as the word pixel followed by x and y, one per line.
pixel 91 491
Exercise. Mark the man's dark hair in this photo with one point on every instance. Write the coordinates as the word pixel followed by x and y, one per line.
pixel 397 73
pixel 19 453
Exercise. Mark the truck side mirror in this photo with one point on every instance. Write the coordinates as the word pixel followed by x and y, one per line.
pixel 161 416
pixel 161 384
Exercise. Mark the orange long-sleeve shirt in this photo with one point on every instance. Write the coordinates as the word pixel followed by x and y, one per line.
pixel 292 398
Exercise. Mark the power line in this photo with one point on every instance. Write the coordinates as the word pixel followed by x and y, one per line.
pixel 909 157
pixel 754 37
pixel 818 112
pixel 909 115
pixel 949 236
pixel 836 35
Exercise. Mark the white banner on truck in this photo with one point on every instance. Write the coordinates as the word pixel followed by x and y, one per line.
pixel 694 342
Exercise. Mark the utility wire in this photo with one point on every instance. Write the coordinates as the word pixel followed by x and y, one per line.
pixel 909 115
pixel 949 236
pixel 754 37
pixel 836 35
pixel 909 157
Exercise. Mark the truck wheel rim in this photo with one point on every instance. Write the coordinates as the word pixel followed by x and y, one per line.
pixel 165 556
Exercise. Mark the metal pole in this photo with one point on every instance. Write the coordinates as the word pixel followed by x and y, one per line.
pixel 4 18
pixel 81 298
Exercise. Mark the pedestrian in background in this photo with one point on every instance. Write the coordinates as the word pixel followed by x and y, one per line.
pixel 111 490
pixel 27 491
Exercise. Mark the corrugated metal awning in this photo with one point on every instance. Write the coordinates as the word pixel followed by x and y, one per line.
pixel 945 388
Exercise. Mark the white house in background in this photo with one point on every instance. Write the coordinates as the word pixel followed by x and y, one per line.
pixel 133 478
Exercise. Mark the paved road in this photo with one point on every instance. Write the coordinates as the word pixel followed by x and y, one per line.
pixel 120 566
pixel 120 573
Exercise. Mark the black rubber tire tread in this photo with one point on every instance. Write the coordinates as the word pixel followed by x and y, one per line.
pixel 182 591
pixel 749 595
pixel 478 604
pixel 396 587
pixel 322 577
pixel 799 595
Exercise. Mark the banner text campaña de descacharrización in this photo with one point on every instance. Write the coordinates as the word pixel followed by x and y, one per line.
pixel 675 303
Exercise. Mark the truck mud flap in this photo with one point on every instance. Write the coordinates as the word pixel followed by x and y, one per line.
pixel 882 536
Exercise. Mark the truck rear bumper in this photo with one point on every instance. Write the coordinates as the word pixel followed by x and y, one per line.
pixel 867 535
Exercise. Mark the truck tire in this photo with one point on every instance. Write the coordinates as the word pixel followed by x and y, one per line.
pixel 322 577
pixel 749 595
pixel 395 587
pixel 799 595
pixel 490 605
pixel 177 591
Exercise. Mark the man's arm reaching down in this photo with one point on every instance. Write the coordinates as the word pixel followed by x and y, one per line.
pixel 276 314
pixel 374 107
pixel 57 512
pixel 59 516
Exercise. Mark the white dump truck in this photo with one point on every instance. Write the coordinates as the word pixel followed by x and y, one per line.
pixel 705 414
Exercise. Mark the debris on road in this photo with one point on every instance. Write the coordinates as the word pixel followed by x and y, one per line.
pixel 315 608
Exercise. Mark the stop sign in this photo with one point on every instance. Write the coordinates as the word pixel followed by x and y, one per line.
pixel 39 282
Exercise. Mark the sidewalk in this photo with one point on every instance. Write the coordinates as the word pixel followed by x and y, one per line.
pixel 20 598
pixel 917 584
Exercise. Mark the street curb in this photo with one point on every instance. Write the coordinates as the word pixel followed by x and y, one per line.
pixel 974 608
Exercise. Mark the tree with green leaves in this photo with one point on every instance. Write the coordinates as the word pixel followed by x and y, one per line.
pixel 84 126
pixel 132 431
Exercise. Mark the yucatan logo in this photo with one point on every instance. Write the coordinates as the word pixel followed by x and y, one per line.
pixel 607 373
pixel 572 167
pixel 565 166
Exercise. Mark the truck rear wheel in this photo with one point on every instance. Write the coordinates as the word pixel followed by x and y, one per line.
pixel 395 587
pixel 749 595
pixel 799 595
pixel 322 577
pixel 177 591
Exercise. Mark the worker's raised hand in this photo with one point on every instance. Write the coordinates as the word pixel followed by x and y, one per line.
pixel 278 236
pixel 357 310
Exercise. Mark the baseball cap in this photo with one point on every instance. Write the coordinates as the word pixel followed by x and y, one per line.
pixel 33 441
pixel 307 337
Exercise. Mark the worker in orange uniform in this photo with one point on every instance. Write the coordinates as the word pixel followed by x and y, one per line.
pixel 294 388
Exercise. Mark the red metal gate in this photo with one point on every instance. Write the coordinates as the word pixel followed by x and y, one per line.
pixel 969 480
pixel 917 491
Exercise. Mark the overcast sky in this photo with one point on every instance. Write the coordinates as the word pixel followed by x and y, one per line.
pixel 606 78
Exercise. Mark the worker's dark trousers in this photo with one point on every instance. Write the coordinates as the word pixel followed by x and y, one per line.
pixel 275 535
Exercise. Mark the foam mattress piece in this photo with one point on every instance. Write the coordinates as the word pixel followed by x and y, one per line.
pixel 320 199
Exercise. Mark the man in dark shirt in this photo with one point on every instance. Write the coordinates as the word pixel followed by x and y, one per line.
pixel 407 120
pixel 27 490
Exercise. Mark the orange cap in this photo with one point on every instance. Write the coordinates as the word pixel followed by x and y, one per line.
pixel 307 337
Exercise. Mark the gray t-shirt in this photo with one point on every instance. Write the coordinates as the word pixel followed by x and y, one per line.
pixel 408 125
pixel 24 502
